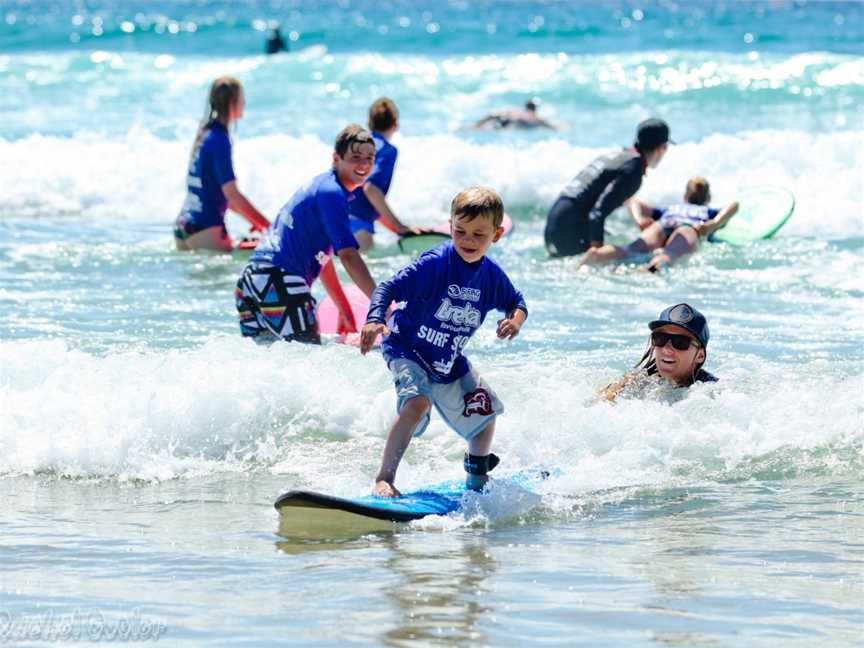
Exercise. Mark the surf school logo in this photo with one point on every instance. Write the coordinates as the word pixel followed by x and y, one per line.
pixel 477 402
pixel 458 292
pixel 681 313
pixel 465 315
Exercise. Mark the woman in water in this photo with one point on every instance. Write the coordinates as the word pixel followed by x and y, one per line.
pixel 677 349
pixel 212 187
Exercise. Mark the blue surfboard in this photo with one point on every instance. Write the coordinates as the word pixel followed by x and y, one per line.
pixel 441 499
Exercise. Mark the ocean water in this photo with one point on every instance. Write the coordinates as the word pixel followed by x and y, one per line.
pixel 142 441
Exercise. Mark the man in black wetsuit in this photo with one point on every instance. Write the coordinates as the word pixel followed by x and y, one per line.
pixel 575 221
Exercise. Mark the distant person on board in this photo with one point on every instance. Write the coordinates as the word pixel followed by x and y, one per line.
pixel 525 119
pixel 444 297
pixel 370 200
pixel 677 349
pixel 275 42
pixel 274 294
pixel 670 232
pixel 576 220
pixel 211 184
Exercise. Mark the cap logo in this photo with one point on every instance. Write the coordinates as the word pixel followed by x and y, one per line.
pixel 681 313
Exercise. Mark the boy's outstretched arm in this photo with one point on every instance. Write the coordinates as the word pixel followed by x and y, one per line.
pixel 368 334
pixel 508 328
pixel 720 220
pixel 356 269
pixel 331 283
pixel 640 212
pixel 388 218
pixel 240 204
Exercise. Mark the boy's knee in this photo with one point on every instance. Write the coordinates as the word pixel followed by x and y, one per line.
pixel 416 407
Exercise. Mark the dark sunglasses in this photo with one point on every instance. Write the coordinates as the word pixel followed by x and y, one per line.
pixel 680 342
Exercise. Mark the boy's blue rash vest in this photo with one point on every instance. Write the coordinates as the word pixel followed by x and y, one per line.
pixel 210 169
pixel 445 300
pixel 381 176
pixel 308 229
pixel 683 214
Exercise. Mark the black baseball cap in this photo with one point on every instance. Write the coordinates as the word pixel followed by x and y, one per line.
pixel 652 133
pixel 688 318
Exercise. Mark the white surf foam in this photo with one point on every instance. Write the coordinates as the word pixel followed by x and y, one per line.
pixel 232 406
pixel 141 177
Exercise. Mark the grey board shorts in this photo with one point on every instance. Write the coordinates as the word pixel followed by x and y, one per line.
pixel 468 405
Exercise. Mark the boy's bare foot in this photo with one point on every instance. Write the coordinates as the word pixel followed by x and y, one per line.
pixel 385 489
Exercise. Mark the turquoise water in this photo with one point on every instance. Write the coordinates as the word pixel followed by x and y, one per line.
pixel 143 442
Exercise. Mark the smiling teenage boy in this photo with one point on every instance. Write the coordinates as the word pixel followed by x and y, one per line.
pixel 273 296
pixel 447 293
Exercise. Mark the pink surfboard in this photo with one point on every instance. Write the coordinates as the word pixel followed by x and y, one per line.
pixel 328 315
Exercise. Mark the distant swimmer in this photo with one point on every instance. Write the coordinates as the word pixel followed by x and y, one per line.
pixel 369 202
pixel 670 232
pixel 576 220
pixel 210 180
pixel 677 350
pixel 274 294
pixel 525 119
pixel 275 42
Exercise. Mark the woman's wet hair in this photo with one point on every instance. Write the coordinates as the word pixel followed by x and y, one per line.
pixel 224 93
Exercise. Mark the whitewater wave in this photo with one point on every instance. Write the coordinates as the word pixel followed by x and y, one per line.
pixel 139 178
pixel 230 406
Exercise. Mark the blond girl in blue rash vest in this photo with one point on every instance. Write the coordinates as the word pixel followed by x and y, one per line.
pixel 211 184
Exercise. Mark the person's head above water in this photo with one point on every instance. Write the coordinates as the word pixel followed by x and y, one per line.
pixel 383 115
pixel 353 156
pixel 531 104
pixel 476 214
pixel 225 102
pixel 677 349
pixel 652 140
pixel 698 191
pixel 679 344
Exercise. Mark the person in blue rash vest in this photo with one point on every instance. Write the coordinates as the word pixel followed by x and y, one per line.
pixel 370 203
pixel 212 186
pixel 677 350
pixel 575 222
pixel 444 297
pixel 273 296
pixel 670 232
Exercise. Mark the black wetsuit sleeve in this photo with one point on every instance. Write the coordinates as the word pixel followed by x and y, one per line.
pixel 613 196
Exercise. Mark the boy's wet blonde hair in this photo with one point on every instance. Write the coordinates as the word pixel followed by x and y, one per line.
pixel 478 201
pixel 351 136
pixel 698 191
